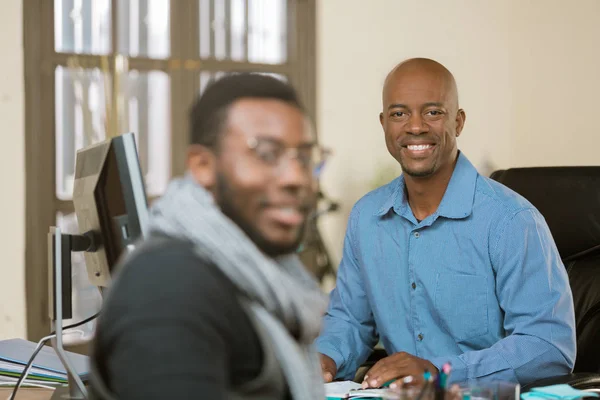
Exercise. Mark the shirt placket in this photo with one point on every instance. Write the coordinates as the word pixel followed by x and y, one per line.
pixel 415 290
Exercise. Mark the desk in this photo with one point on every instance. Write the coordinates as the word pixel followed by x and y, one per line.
pixel 27 393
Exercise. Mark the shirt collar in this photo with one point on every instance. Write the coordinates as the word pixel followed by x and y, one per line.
pixel 457 201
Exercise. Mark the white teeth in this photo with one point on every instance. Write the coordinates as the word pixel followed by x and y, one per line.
pixel 417 147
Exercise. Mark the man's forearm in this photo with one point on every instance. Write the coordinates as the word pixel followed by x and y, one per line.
pixel 516 358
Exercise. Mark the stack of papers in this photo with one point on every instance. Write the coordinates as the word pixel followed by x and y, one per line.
pixel 10 372
pixel 47 367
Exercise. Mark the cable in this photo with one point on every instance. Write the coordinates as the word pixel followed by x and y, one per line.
pixel 39 347
pixel 75 325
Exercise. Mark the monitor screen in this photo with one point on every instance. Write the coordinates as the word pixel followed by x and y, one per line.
pixel 110 202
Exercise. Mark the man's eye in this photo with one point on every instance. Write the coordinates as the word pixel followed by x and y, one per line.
pixel 306 157
pixel 398 114
pixel 268 154
pixel 434 113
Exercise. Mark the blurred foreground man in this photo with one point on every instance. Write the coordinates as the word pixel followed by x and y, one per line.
pixel 215 304
pixel 443 264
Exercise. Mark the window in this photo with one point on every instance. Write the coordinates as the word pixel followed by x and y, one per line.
pixel 95 69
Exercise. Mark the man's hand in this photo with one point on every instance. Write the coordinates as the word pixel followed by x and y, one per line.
pixel 328 367
pixel 396 367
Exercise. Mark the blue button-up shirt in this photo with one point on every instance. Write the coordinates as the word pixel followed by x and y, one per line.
pixel 479 284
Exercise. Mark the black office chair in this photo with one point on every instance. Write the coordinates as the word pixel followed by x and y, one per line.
pixel 569 200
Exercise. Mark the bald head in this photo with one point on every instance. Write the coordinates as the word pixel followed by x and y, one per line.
pixel 417 69
pixel 420 117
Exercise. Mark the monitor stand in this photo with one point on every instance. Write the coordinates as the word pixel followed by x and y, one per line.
pixel 59 253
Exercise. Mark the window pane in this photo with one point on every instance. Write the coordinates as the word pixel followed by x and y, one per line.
pixel 205 27
pixel 244 30
pixel 82 26
pixel 267 31
pixel 144 28
pixel 86 298
pixel 239 33
pixel 80 119
pixel 148 115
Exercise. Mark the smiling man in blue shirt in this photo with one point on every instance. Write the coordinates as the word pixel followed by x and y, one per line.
pixel 443 264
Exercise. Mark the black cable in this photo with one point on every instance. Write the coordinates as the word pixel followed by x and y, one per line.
pixel 75 325
pixel 40 347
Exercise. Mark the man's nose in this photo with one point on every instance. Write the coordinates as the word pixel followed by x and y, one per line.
pixel 416 125
pixel 293 174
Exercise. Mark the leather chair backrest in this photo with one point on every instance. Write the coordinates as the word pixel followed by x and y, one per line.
pixel 569 200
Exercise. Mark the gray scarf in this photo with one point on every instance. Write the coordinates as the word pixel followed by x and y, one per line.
pixel 283 296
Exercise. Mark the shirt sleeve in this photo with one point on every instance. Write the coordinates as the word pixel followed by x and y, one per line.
pixel 533 290
pixel 166 328
pixel 348 334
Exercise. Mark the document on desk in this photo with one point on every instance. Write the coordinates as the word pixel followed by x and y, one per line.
pixel 352 390
pixel 339 390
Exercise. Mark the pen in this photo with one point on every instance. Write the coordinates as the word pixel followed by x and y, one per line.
pixel 445 374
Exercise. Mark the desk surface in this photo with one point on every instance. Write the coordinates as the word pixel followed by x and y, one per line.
pixel 27 394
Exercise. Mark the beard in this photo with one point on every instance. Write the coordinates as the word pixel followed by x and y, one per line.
pixel 418 173
pixel 232 211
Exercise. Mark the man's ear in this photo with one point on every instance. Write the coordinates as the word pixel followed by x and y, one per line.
pixel 381 118
pixel 202 164
pixel 460 121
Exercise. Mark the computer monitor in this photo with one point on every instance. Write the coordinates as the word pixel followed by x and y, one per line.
pixel 112 213
pixel 110 202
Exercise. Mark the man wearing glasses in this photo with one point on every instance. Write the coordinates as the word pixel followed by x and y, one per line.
pixel 214 303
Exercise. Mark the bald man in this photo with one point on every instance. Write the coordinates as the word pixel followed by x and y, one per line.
pixel 443 264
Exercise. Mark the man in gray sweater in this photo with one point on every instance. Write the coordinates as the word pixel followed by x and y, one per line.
pixel 214 303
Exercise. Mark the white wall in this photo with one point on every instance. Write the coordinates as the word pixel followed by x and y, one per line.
pixel 12 167
pixel 527 74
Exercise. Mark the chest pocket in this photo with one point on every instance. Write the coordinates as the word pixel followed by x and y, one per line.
pixel 461 303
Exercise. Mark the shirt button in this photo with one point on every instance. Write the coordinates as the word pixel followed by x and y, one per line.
pixel 420 337
pixel 417 234
pixel 414 285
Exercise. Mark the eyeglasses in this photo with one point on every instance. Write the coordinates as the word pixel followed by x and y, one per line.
pixel 275 154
